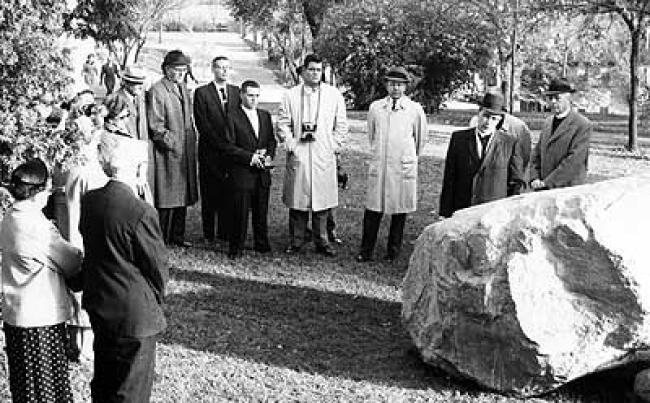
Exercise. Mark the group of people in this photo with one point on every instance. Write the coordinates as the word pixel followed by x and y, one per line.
pixel 148 156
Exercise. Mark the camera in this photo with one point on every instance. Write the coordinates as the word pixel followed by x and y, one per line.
pixel 308 130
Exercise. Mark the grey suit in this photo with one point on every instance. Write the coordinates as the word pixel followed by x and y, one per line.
pixel 560 157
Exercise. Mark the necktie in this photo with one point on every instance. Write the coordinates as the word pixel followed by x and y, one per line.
pixel 394 104
pixel 224 100
pixel 484 143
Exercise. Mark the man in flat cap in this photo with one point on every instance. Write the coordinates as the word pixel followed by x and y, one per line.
pixel 311 123
pixel 396 128
pixel 560 157
pixel 174 148
pixel 483 163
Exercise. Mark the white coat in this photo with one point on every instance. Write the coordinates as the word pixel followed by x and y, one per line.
pixel 310 181
pixel 395 141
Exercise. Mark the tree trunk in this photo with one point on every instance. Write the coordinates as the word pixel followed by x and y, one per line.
pixel 634 88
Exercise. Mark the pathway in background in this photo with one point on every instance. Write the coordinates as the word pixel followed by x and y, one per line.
pixel 203 47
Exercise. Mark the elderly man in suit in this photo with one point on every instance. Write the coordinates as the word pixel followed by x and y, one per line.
pixel 124 276
pixel 213 103
pixel 132 93
pixel 561 154
pixel 174 148
pixel 249 152
pixel 483 163
pixel 311 122
pixel 396 128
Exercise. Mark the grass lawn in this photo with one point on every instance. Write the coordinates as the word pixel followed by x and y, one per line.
pixel 306 328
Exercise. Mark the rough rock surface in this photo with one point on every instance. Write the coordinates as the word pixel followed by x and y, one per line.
pixel 528 293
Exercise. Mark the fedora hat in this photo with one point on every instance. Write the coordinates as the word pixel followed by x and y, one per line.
pixel 133 75
pixel 175 58
pixel 398 74
pixel 494 103
pixel 559 86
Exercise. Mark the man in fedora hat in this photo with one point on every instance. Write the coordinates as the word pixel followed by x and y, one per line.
pixel 132 93
pixel 396 127
pixel 174 148
pixel 311 123
pixel 483 163
pixel 561 154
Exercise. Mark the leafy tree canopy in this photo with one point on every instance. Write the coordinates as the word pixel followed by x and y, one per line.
pixel 32 68
pixel 440 43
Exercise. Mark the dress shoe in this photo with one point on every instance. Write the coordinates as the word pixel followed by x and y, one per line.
pixel 390 258
pixel 263 249
pixel 325 250
pixel 182 244
pixel 363 258
pixel 234 254
pixel 291 249
pixel 334 239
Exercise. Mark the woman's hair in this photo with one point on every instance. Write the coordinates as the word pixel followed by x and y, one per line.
pixel 28 179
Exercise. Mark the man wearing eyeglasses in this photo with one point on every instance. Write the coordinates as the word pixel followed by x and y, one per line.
pixel 174 148
pixel 560 157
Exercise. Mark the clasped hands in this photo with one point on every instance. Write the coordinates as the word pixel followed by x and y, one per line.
pixel 259 159
pixel 538 184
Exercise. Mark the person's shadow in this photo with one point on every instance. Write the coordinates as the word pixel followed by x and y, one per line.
pixel 302 329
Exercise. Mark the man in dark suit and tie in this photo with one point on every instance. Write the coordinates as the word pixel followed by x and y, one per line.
pixel 561 154
pixel 212 105
pixel 124 276
pixel 249 152
pixel 483 163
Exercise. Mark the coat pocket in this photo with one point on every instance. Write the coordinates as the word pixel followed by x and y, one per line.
pixel 409 168
pixel 373 168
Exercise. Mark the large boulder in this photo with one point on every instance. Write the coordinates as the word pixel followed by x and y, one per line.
pixel 527 293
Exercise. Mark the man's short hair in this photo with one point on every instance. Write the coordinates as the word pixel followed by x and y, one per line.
pixel 312 58
pixel 218 59
pixel 28 179
pixel 249 84
pixel 115 157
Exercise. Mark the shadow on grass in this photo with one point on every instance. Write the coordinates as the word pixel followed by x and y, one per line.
pixel 301 329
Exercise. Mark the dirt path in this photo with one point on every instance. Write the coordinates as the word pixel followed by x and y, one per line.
pixel 203 47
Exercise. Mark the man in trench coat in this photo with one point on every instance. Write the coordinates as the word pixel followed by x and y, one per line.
pixel 483 163
pixel 311 121
pixel 560 157
pixel 169 115
pixel 396 127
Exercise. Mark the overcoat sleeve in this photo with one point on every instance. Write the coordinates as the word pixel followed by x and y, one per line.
pixel 162 137
pixel 571 162
pixel 446 208
pixel 150 253
pixel 421 129
pixel 340 121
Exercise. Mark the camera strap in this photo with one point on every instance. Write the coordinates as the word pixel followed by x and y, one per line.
pixel 302 105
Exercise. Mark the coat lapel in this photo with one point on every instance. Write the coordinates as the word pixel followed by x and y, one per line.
pixel 471 147
pixel 491 150
pixel 563 127
pixel 250 133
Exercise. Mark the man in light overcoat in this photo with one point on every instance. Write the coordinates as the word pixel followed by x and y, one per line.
pixel 396 128
pixel 560 157
pixel 311 122
pixel 483 163
pixel 174 142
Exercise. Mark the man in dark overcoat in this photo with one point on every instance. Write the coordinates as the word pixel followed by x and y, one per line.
pixel 169 113
pixel 249 154
pixel 560 156
pixel 483 163
pixel 123 278
pixel 212 105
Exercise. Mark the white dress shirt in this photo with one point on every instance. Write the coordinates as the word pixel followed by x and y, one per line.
pixel 253 118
